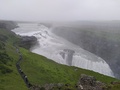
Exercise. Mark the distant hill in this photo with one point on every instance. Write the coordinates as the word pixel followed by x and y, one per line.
pixel 8 25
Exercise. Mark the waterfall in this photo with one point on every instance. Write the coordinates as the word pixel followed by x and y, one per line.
pixel 60 50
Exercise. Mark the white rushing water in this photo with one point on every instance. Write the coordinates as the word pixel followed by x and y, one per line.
pixel 61 50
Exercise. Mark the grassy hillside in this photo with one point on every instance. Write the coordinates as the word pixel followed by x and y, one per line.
pixel 39 69
pixel 9 77
pixel 46 71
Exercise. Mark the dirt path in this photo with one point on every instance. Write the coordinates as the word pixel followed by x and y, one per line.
pixel 22 74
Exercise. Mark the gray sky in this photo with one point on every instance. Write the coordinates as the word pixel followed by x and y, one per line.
pixel 60 10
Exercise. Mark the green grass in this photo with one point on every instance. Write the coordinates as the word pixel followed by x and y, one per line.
pixel 47 71
pixel 10 81
pixel 39 69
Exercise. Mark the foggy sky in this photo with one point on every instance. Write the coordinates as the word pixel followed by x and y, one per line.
pixel 60 10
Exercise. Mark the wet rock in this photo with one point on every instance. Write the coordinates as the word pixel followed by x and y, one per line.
pixel 28 41
pixel 68 55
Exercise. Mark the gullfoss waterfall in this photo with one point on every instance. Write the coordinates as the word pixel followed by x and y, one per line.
pixel 61 50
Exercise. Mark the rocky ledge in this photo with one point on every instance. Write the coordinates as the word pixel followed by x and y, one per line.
pixel 27 41
pixel 90 83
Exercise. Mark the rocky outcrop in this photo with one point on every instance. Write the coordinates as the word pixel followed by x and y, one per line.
pixel 67 55
pixel 89 83
pixel 27 41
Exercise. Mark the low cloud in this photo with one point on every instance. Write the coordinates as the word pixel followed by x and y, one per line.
pixel 60 10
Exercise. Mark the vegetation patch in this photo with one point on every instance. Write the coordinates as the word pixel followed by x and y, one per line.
pixel 9 76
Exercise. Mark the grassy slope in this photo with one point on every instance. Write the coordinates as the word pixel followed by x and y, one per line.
pixel 46 71
pixel 11 81
pixel 39 69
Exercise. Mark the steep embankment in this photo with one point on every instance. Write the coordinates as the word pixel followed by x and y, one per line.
pixel 39 69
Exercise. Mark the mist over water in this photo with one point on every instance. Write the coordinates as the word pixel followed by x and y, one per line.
pixel 101 38
pixel 62 50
